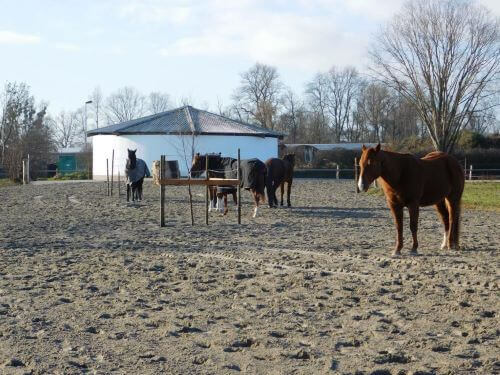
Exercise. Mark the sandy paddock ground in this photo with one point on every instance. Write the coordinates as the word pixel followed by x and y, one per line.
pixel 89 284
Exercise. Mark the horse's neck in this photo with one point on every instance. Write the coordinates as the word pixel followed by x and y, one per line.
pixel 131 163
pixel 392 166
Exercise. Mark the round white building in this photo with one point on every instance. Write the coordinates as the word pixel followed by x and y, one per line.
pixel 178 134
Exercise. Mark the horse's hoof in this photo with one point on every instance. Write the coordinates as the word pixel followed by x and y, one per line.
pixel 396 253
pixel 414 252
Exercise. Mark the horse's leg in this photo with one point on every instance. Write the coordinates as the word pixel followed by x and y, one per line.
pixel 443 214
pixel 235 199
pixel 397 213
pixel 128 192
pixel 288 191
pixel 211 198
pixel 413 209
pixel 256 198
pixel 282 186
pixel 225 203
pixel 454 215
pixel 270 192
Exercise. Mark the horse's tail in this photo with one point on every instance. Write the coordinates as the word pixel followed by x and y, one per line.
pixel 263 182
pixel 269 176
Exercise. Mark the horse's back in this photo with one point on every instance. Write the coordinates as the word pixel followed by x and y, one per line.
pixel 443 172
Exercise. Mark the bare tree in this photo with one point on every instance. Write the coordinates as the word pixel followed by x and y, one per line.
pixel 341 94
pixel 97 105
pixel 317 97
pixel 443 56
pixel 292 118
pixel 125 104
pixel 66 129
pixel 158 102
pixel 374 103
pixel 259 94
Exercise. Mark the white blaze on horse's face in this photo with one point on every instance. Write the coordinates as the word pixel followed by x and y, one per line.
pixel 360 184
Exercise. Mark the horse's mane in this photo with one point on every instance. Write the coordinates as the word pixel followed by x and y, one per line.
pixel 131 161
pixel 289 158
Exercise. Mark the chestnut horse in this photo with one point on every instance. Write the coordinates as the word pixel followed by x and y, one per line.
pixel 279 171
pixel 436 179
pixel 252 172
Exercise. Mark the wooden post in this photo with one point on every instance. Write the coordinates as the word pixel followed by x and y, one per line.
pixel 207 195
pixel 470 172
pixel 24 171
pixel 338 172
pixel 112 170
pixel 119 190
pixel 356 174
pixel 162 191
pixel 107 176
pixel 239 188
pixel 28 170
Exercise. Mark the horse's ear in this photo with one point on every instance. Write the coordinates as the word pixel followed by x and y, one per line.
pixel 197 154
pixel 377 149
pixel 135 150
pixel 363 148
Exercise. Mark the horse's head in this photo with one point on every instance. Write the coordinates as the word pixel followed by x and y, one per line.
pixel 132 159
pixel 290 158
pixel 198 165
pixel 370 165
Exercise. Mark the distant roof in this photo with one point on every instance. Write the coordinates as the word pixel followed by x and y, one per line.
pixel 185 120
pixel 332 146
pixel 69 150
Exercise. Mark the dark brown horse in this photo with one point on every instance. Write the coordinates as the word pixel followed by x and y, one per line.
pixel 279 171
pixel 252 172
pixel 135 171
pixel 436 179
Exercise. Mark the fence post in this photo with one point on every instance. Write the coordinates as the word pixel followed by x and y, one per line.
pixel 356 174
pixel 207 195
pixel 338 172
pixel 24 171
pixel 239 189
pixel 112 170
pixel 470 173
pixel 119 190
pixel 28 170
pixel 162 191
pixel 107 177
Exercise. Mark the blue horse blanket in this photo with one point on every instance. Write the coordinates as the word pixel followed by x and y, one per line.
pixel 141 170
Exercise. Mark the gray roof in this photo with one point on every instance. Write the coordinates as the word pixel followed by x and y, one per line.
pixel 186 120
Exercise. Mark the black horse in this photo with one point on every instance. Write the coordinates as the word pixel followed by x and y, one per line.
pixel 279 171
pixel 135 171
pixel 252 172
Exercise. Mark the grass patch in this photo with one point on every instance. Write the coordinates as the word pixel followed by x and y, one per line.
pixel 482 196
pixel 70 176
pixel 6 182
pixel 477 195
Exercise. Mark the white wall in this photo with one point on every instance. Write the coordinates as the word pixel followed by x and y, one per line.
pixel 150 147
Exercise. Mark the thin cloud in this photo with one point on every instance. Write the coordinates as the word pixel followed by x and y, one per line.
pixel 11 37
pixel 70 47
pixel 309 42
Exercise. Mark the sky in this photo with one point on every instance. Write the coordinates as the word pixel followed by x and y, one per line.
pixel 63 49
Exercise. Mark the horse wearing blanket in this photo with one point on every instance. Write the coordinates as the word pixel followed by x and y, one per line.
pixel 252 174
pixel 135 171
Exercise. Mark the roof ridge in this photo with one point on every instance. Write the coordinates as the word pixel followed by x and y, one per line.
pixel 255 126
pixel 189 118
